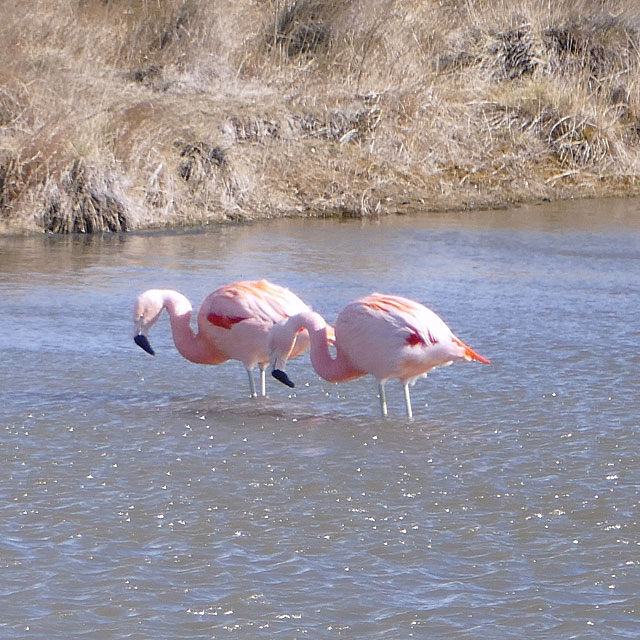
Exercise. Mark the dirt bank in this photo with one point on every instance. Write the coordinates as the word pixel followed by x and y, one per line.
pixel 119 115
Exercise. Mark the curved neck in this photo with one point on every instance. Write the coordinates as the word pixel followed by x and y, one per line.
pixel 190 345
pixel 338 369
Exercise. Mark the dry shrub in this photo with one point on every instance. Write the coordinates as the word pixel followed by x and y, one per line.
pixel 564 79
pixel 303 26
pixel 342 126
pixel 84 201
pixel 518 52
pixel 574 138
pixel 352 122
pixel 598 44
pixel 151 32
pixel 563 38
pixel 579 142
pixel 198 160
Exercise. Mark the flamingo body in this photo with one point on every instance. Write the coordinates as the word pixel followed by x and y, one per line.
pixel 233 323
pixel 382 335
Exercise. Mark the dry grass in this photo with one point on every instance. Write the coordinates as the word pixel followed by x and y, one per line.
pixel 120 114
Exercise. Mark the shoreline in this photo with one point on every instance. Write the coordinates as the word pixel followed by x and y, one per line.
pixel 19 229
pixel 454 204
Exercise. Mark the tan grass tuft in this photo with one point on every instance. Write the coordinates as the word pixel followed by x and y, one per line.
pixel 83 201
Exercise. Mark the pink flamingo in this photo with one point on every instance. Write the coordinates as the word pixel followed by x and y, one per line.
pixel 382 335
pixel 233 323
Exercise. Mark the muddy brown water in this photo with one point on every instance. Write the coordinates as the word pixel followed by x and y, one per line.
pixel 149 497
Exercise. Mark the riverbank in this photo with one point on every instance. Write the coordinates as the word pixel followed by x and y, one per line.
pixel 119 116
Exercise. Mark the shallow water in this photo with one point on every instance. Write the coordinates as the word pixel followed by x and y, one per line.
pixel 150 498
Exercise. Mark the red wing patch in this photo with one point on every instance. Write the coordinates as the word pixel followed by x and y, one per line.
pixel 414 339
pixel 224 322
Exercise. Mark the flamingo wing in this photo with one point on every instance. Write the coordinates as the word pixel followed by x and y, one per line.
pixel 238 316
pixel 261 301
pixel 392 337
pixel 409 320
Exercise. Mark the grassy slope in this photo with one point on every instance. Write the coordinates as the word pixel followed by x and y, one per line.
pixel 124 114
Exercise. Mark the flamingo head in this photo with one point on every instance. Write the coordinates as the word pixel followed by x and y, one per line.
pixel 280 343
pixel 146 311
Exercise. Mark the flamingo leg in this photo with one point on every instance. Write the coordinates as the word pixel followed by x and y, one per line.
pixel 407 400
pixel 252 385
pixel 383 399
pixel 263 381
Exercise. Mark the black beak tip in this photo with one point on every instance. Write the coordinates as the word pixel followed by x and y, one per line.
pixel 282 376
pixel 143 342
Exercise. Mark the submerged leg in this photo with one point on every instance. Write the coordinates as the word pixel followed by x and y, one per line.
pixel 263 381
pixel 407 400
pixel 383 399
pixel 252 384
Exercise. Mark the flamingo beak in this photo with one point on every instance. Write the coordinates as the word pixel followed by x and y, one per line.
pixel 143 342
pixel 472 355
pixel 469 353
pixel 282 376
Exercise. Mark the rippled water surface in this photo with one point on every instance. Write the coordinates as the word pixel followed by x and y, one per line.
pixel 149 497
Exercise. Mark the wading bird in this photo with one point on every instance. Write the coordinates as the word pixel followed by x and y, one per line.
pixel 233 323
pixel 382 335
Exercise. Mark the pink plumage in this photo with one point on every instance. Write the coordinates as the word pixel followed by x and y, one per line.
pixel 233 323
pixel 382 335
